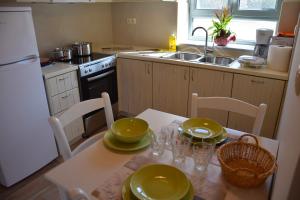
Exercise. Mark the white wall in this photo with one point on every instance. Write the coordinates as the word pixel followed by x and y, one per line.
pixel 155 22
pixel 57 25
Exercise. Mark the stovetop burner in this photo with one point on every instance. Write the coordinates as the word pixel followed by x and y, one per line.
pixel 86 59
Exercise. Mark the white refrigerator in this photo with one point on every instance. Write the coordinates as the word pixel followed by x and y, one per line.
pixel 26 139
pixel 287 181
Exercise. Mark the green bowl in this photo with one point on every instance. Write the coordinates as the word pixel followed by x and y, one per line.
pixel 202 128
pixel 159 182
pixel 129 130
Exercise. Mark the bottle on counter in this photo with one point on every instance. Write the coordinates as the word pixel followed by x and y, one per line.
pixel 172 42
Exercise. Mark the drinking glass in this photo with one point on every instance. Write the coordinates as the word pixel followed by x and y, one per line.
pixel 158 142
pixel 202 154
pixel 169 132
pixel 180 146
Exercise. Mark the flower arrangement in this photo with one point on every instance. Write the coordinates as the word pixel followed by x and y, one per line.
pixel 221 33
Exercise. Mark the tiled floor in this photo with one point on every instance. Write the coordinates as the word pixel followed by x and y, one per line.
pixel 35 187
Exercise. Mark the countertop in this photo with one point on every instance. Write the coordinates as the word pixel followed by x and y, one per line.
pixel 234 67
pixel 57 68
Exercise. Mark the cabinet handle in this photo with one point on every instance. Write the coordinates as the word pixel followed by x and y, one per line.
pixel 185 74
pixel 148 69
pixel 192 75
pixel 257 82
pixel 61 79
pixel 64 96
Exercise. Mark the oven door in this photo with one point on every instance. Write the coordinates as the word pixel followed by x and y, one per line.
pixel 91 87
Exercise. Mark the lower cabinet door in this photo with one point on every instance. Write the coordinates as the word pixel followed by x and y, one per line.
pixel 257 90
pixel 210 83
pixel 170 88
pixel 134 85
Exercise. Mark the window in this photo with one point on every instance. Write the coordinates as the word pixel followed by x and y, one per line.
pixel 248 15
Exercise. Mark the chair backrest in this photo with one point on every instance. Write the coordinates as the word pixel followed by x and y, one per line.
pixel 78 194
pixel 75 112
pixel 232 105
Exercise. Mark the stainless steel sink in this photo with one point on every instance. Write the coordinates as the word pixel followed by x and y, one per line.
pixel 183 56
pixel 224 61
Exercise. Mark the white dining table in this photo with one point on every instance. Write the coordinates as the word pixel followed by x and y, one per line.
pixel 95 164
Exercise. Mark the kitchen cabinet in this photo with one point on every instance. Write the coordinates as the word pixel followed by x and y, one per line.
pixel 209 83
pixel 62 92
pixel 72 1
pixel 134 85
pixel 34 1
pixel 257 90
pixel 170 88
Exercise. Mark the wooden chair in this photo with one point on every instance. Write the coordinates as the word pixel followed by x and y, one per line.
pixel 73 113
pixel 232 105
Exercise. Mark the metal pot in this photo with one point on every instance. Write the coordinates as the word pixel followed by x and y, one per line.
pixel 67 54
pixel 61 54
pixel 82 48
pixel 86 48
pixel 57 54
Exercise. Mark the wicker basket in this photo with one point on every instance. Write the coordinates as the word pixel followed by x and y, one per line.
pixel 245 164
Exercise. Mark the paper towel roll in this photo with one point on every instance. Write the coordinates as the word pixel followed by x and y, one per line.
pixel 279 57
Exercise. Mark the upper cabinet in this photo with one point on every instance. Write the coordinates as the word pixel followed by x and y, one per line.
pixel 71 1
pixel 34 1
pixel 83 1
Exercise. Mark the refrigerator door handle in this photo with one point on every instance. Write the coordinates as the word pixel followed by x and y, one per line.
pixel 26 59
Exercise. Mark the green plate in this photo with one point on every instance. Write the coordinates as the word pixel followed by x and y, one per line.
pixel 202 128
pixel 115 144
pixel 218 140
pixel 159 182
pixel 128 195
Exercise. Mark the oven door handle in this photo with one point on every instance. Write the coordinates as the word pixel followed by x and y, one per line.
pixel 100 76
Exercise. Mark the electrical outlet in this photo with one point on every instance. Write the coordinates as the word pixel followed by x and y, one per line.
pixel 128 20
pixel 131 21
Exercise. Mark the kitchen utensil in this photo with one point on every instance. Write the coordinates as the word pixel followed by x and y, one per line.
pixel 201 128
pixel 67 54
pixel 128 195
pixel 179 151
pixel 82 48
pixel 202 154
pixel 110 142
pixel 77 49
pixel 251 61
pixel 57 54
pixel 158 143
pixel 129 130
pixel 158 182
pixel 245 164
pixel 263 35
pixel 86 48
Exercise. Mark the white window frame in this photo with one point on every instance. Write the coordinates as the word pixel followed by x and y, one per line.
pixel 266 15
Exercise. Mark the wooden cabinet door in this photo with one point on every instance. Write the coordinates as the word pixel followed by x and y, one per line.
pixel 256 90
pixel 210 83
pixel 134 85
pixel 170 88
pixel 123 78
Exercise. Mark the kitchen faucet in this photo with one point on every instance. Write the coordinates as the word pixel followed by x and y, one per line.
pixel 206 38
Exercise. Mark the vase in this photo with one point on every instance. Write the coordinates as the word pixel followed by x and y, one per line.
pixel 221 41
